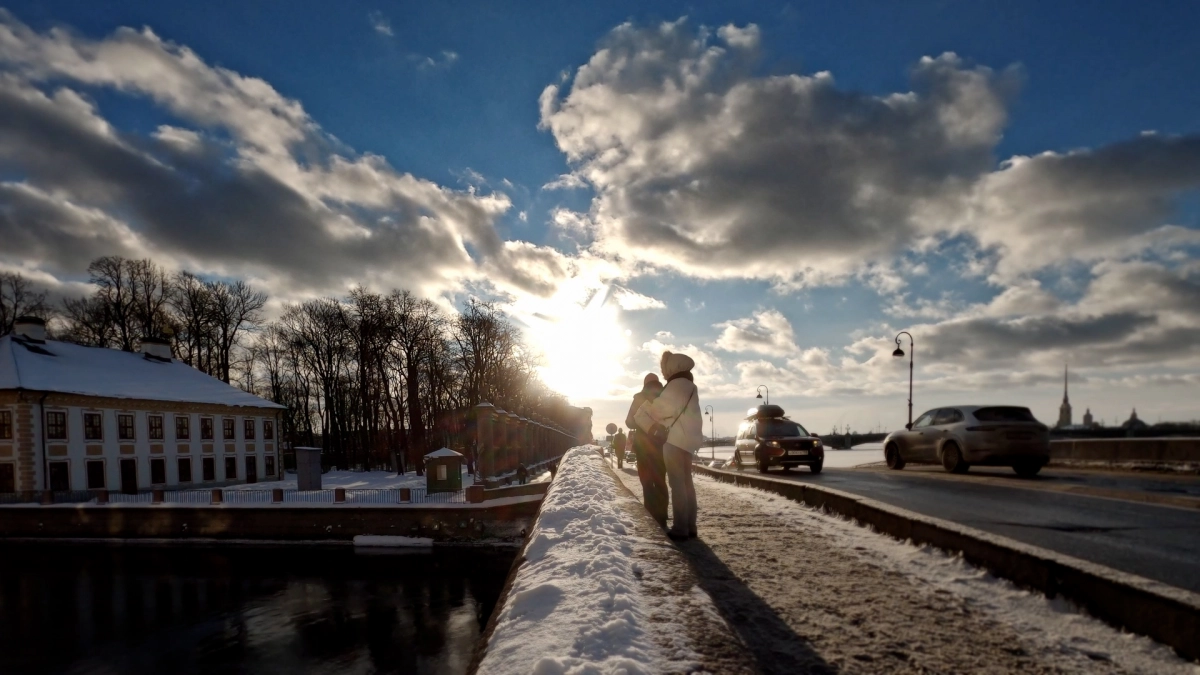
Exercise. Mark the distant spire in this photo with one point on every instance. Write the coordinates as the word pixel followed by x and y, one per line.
pixel 1064 410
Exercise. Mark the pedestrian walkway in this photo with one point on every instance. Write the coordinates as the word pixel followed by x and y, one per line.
pixel 808 592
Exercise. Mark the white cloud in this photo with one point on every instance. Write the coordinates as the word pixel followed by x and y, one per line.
pixel 741 38
pixel 766 332
pixel 632 301
pixel 703 166
pixel 1088 205
pixel 380 23
pixel 243 183
pixel 567 181
pixel 440 61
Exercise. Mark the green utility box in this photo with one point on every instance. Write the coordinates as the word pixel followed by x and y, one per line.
pixel 443 471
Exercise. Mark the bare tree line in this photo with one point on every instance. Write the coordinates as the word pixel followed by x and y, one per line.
pixel 375 378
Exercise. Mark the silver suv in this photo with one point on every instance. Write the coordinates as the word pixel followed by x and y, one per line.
pixel 960 436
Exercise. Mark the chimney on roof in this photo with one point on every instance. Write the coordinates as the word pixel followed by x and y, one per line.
pixel 156 348
pixel 30 327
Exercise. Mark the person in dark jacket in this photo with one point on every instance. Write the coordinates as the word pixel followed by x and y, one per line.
pixel 618 445
pixel 652 470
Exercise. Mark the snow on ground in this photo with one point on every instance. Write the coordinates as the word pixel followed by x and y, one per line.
pixel 1053 631
pixel 358 480
pixel 577 604
pixel 861 454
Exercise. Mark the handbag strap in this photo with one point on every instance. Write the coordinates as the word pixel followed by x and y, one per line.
pixel 684 408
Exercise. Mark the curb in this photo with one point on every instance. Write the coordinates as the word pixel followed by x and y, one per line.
pixel 1128 602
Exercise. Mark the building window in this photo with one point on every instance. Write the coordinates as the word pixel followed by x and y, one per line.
pixel 95 474
pixel 6 430
pixel 60 476
pixel 268 430
pixel 185 469
pixel 251 469
pixel 8 478
pixel 270 466
pixel 156 427
pixel 93 427
pixel 441 472
pixel 231 468
pixel 206 429
pixel 227 428
pixel 183 429
pixel 248 428
pixel 158 470
pixel 56 425
pixel 209 467
pixel 125 427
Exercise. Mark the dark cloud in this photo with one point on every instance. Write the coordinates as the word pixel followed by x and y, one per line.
pixel 253 188
pixel 702 165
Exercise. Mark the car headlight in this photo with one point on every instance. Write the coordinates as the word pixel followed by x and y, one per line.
pixel 773 444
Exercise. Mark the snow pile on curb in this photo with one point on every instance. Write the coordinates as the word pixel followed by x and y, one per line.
pixel 576 604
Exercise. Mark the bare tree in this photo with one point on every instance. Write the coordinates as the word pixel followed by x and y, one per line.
pixel 236 309
pixel 18 298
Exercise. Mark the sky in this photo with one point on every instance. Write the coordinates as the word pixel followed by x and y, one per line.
pixel 775 189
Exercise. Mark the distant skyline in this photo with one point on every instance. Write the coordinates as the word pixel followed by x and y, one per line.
pixel 775 189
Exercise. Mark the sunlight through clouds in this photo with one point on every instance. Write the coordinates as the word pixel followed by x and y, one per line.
pixel 582 344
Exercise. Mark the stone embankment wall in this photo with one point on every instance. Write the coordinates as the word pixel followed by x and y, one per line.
pixel 1135 451
pixel 497 519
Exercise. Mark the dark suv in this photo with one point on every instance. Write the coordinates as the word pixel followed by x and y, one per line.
pixel 772 439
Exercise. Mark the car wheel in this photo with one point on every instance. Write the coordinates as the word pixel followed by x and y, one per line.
pixel 816 468
pixel 892 454
pixel 952 460
pixel 1027 469
pixel 763 466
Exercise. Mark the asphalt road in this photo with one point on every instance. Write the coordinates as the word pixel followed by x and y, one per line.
pixel 1156 541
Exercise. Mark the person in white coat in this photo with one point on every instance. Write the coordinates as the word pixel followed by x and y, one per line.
pixel 677 409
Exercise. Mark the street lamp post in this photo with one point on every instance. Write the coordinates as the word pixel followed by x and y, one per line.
pixel 712 439
pixel 900 352
pixel 761 389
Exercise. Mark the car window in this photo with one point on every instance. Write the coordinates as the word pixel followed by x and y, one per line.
pixel 924 420
pixel 1004 414
pixel 947 416
pixel 778 427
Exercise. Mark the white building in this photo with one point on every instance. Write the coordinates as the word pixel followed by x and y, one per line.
pixel 75 418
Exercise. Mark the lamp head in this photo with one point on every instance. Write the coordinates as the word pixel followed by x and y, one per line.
pixel 898 352
pixel 759 396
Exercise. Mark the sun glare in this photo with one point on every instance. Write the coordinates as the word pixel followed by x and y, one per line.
pixel 582 347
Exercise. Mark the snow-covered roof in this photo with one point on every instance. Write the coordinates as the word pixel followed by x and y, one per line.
pixel 63 367
pixel 444 452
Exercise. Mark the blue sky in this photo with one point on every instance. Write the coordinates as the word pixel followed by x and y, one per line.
pixel 448 95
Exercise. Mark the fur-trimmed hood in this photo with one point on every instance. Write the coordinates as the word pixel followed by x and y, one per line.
pixel 673 364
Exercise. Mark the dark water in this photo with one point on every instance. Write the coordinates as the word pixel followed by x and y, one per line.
pixel 295 609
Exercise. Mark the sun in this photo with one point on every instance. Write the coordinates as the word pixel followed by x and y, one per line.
pixel 582 347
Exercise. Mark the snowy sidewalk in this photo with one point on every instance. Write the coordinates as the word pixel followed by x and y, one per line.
pixel 600 589
pixel 810 592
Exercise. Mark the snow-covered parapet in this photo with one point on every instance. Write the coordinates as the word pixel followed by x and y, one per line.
pixel 600 589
